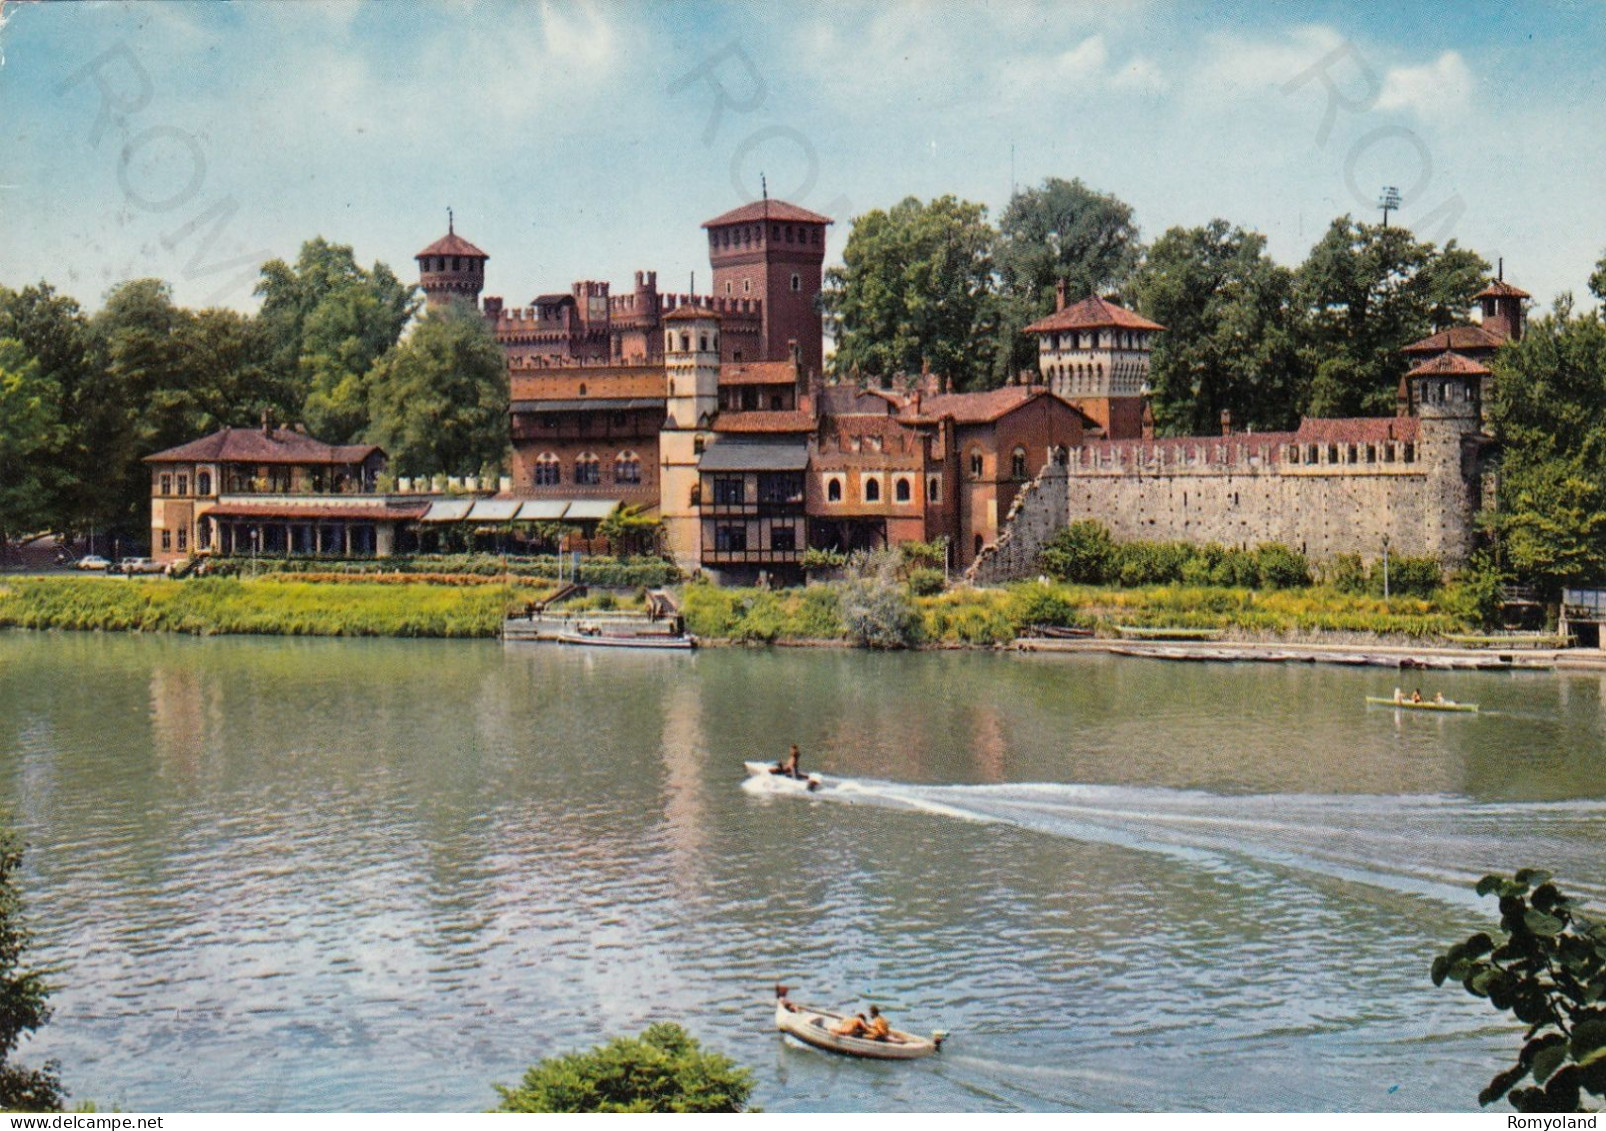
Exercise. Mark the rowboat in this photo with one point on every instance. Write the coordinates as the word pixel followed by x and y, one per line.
pixel 808 783
pixel 813 1027
pixel 664 641
pixel 1424 705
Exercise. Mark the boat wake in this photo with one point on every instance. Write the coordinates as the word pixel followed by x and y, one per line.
pixel 1432 846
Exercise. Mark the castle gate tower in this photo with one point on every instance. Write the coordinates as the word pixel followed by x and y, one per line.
pixel 451 267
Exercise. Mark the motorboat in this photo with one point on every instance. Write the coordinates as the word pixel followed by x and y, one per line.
pixel 802 783
pixel 601 640
pixel 813 1027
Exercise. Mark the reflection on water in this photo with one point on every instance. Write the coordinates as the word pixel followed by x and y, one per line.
pixel 384 874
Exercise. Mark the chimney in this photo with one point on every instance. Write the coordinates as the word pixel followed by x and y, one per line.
pixel 1059 295
pixel 267 423
pixel 1226 422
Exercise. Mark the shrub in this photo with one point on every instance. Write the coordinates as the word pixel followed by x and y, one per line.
pixel 1151 563
pixel 1083 553
pixel 1037 603
pixel 877 613
pixel 1347 574
pixel 1281 567
pixel 1409 577
pixel 813 559
pixel 662 1070
pixel 1546 966
pixel 23 1005
pixel 926 582
pixel 924 555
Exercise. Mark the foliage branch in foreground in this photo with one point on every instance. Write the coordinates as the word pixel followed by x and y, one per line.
pixel 1546 966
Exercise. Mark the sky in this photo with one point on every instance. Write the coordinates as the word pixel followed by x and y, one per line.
pixel 585 140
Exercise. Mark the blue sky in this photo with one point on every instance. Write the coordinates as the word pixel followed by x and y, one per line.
pixel 580 140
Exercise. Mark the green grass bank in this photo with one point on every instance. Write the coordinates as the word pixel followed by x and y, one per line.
pixel 277 605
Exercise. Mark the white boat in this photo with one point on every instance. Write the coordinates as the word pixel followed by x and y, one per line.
pixel 813 1027
pixel 807 783
pixel 599 640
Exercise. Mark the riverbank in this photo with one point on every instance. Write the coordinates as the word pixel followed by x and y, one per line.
pixel 839 614
pixel 275 606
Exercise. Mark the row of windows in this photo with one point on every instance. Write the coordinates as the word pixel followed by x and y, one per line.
pixel 747 285
pixel 685 345
pixel 183 539
pixel 750 233
pixel 732 538
pixel 1017 463
pixel 203 484
pixel 870 490
pixel 1073 340
pixel 1351 453
pixel 464 263
pixel 587 469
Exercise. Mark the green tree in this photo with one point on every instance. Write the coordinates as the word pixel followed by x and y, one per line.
pixel 1365 291
pixel 1550 518
pixel 1062 232
pixel 913 290
pixel 1546 966
pixel 662 1070
pixel 23 999
pixel 53 331
pixel 327 322
pixel 1230 343
pixel 1083 552
pixel 630 532
pixel 438 402
pixel 1597 281
pixel 31 435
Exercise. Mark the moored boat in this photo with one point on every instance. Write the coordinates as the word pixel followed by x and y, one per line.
pixel 600 640
pixel 1424 705
pixel 813 1027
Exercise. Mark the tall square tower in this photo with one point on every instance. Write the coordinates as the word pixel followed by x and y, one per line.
pixel 772 252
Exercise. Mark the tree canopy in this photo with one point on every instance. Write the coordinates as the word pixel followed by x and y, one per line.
pixel 31 434
pixel 913 290
pixel 1231 341
pixel 328 321
pixel 438 402
pixel 662 1070
pixel 1365 291
pixel 1062 232
pixel 1545 410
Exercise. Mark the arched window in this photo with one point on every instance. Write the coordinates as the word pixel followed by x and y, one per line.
pixel 934 489
pixel 872 490
pixel 797 282
pixel 548 472
pixel 582 388
pixel 1017 463
pixel 669 340
pixel 979 545
pixel 975 463
pixel 833 491
pixel 900 491
pixel 685 343
pixel 587 469
pixel 702 342
pixel 203 483
pixel 627 468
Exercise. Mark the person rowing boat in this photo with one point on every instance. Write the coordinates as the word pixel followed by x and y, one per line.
pixel 788 766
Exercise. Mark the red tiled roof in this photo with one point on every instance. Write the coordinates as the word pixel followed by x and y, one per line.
pixel 1457 338
pixel 767 210
pixel 688 312
pixel 758 373
pixel 1350 430
pixel 980 408
pixel 1092 313
pixel 1450 362
pixel 452 244
pixel 355 513
pixel 1502 289
pixel 765 422
pixel 252 445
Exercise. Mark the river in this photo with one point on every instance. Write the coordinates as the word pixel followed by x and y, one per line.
pixel 289 874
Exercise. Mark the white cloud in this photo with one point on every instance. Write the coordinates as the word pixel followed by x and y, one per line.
pixel 1233 66
pixel 1440 88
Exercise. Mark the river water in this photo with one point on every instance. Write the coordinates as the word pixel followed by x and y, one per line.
pixel 279 874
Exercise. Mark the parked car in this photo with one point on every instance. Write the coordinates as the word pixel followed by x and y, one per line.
pixel 132 566
pixel 92 561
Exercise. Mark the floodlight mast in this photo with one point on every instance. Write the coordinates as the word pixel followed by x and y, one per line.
pixel 1389 202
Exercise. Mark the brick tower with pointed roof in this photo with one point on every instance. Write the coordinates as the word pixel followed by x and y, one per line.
pixel 773 251
pixel 451 267
pixel 1095 354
